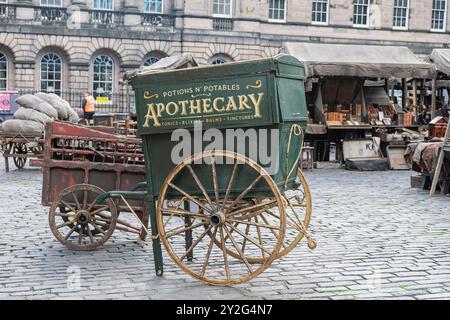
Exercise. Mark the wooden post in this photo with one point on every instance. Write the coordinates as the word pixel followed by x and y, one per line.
pixel 363 104
pixel 440 162
pixel 433 99
pixel 404 93
pixel 414 93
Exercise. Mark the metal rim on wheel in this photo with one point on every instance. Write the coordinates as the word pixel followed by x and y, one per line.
pixel 77 222
pixel 20 148
pixel 223 239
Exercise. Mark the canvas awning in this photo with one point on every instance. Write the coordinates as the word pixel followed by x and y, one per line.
pixel 359 61
pixel 441 58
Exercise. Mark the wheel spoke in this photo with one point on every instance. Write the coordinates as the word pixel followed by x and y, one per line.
pixel 268 226
pixel 224 251
pixel 230 183
pixel 76 201
pixel 243 193
pixel 97 211
pixel 96 227
pixel 70 232
pixel 195 243
pixel 214 174
pixel 177 230
pixel 273 232
pixel 68 206
pixel 90 234
pixel 199 184
pixel 208 254
pixel 251 239
pixel 238 250
pixel 66 224
pixel 189 197
pixel 259 206
pixel 80 235
pixel 182 213
pixel 258 229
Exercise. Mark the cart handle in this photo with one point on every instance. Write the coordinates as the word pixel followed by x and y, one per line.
pixel 296 130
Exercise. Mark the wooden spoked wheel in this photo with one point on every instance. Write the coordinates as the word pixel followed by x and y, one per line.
pixel 226 225
pixel 20 148
pixel 80 224
pixel 298 206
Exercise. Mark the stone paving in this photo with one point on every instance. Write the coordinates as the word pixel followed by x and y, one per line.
pixel 377 239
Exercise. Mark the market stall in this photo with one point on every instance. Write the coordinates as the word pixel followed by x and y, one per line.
pixel 348 90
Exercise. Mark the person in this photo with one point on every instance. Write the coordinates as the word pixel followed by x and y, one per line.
pixel 88 106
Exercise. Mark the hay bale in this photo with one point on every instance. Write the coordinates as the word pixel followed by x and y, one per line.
pixel 32 115
pixel 25 127
pixel 30 101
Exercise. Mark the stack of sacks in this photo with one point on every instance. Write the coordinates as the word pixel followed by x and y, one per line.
pixel 37 110
pixel 31 117
pixel 65 111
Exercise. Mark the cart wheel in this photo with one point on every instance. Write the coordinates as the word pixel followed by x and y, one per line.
pixel 20 148
pixel 79 224
pixel 227 229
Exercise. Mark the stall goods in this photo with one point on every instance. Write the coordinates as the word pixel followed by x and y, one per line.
pixel 221 215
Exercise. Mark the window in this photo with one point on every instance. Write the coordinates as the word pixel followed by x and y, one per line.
pixel 51 3
pixel 361 13
pixel 439 15
pixel 277 10
pixel 103 4
pixel 3 72
pixel 401 14
pixel 153 6
pixel 220 59
pixel 320 11
pixel 222 8
pixel 3 9
pixel 51 73
pixel 103 76
pixel 150 60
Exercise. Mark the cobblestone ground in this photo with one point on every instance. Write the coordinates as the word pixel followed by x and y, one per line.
pixel 377 239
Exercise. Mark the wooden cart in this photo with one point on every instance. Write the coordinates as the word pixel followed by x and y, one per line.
pixel 20 147
pixel 222 214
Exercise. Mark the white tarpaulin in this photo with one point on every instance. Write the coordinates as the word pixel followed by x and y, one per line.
pixel 359 61
pixel 441 58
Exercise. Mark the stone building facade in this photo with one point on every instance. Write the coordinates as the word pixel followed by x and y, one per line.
pixel 61 45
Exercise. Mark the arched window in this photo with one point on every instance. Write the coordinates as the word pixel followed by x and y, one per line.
pixel 3 72
pixel 51 73
pixel 220 59
pixel 151 60
pixel 103 76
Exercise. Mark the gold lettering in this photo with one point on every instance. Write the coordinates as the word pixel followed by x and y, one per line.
pixel 151 114
pixel 257 103
pixel 160 108
pixel 183 107
pixel 216 104
pixel 231 104
pixel 207 106
pixel 175 108
pixel 243 103
pixel 195 108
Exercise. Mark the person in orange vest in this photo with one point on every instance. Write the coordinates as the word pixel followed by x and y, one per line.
pixel 88 106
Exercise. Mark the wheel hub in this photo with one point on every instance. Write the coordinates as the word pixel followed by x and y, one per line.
pixel 217 218
pixel 83 217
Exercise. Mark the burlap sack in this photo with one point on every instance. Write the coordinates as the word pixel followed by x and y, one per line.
pixel 61 106
pixel 25 127
pixel 30 101
pixel 32 115
pixel 62 103
pixel 80 112
pixel 73 116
